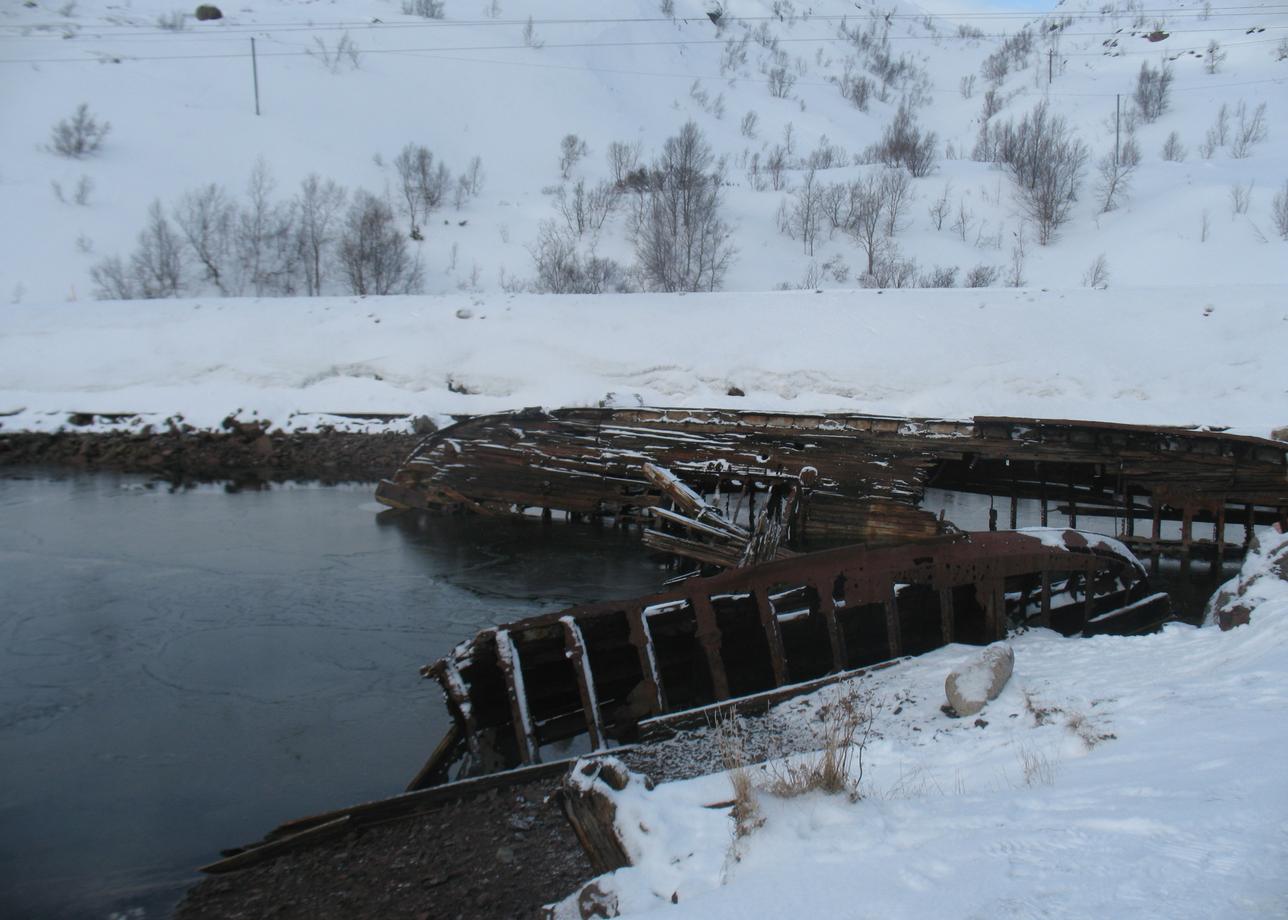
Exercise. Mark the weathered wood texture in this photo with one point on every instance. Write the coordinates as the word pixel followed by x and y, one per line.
pixel 867 474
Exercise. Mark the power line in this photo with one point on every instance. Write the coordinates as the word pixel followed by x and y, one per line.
pixel 114 58
pixel 377 25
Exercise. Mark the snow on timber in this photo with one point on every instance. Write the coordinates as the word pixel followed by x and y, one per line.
pixel 181 110
pixel 1113 777
pixel 1207 356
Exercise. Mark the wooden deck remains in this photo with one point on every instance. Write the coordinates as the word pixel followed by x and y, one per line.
pixel 828 479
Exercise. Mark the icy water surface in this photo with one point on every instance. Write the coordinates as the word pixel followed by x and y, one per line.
pixel 179 672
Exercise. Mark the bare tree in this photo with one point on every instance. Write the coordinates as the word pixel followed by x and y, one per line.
pixel 775 163
pixel 981 276
pixel 867 219
pixel 571 150
pixel 373 254
pixel 157 262
pixel 264 237
pixel 683 244
pixel 748 124
pixel 561 269
pixel 112 280
pixel 904 144
pixel 1214 57
pixel 1173 150
pixel 422 184
pixel 623 159
pixel 584 209
pixel 1115 174
pixel 1046 162
pixel 806 211
pixel 206 217
pixel 781 80
pixel 1279 210
pixel 896 196
pixel 318 205
pixel 1097 274
pixel 940 208
pixel 1240 198
pixel 1153 90
pixel 1250 131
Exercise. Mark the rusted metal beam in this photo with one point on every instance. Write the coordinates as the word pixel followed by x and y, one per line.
pixel 507 657
pixel 773 635
pixel 708 636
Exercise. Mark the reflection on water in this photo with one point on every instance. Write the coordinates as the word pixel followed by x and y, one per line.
pixel 181 671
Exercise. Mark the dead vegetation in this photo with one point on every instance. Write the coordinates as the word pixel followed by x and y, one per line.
pixel 844 728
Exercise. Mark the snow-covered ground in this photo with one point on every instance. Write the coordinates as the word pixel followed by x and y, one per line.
pixel 1113 777
pixel 1185 355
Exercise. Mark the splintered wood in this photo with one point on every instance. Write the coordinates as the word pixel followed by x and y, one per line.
pixel 735 488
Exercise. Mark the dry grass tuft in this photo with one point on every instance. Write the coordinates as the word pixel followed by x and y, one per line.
pixel 1038 769
pixel 731 738
pixel 838 767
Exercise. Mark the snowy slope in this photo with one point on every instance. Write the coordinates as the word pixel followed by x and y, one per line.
pixel 182 114
pixel 1197 355
pixel 1113 777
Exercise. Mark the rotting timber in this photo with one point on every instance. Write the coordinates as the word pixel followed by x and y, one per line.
pixel 606 669
pixel 856 478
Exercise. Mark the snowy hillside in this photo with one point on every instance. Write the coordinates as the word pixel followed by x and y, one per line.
pixel 772 82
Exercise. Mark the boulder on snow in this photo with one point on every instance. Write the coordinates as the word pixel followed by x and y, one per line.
pixel 1267 561
pixel 206 11
pixel 973 684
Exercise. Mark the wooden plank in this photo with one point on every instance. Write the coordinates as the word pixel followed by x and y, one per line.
pixel 575 650
pixel 507 657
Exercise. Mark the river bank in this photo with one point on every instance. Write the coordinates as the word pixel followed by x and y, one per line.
pixel 244 452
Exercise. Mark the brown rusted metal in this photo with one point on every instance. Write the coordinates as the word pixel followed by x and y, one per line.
pixel 602 668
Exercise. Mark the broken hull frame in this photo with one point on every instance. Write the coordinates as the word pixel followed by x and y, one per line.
pixel 868 474
pixel 601 669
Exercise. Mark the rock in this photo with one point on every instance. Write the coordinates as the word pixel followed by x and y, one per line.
pixel 980 680
pixel 593 902
pixel 1280 434
pixel 423 424
pixel 505 855
pixel 735 391
pixel 206 11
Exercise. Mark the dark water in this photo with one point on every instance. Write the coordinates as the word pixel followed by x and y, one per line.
pixel 181 671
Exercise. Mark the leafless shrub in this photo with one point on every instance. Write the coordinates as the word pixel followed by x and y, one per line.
pixel 1097 274
pixel 1214 57
pixel 903 143
pixel 1015 272
pixel 1173 150
pixel 585 210
pixel 624 158
pixel 318 207
pixel 79 135
pixel 155 268
pixel 939 277
pixel 571 150
pixel 1115 172
pixel 562 269
pixel 173 22
pixel 981 276
pixel 422 185
pixel 963 221
pixel 429 9
pixel 1281 50
pixel 775 164
pixel 1046 162
pixel 682 243
pixel 1250 130
pixel 897 195
pixel 804 218
pixel 206 217
pixel 940 208
pixel 748 124
pixel 1240 198
pixel 780 81
pixel 530 38
pixel 474 176
pixel 1279 210
pixel 373 254
pixel 1153 90
pixel 346 50
pixel 967 86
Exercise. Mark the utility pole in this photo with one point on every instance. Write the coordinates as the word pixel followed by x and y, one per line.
pixel 254 69
pixel 1118 107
